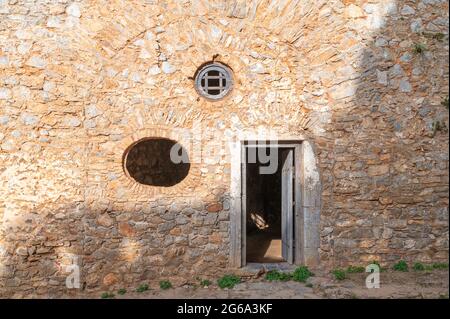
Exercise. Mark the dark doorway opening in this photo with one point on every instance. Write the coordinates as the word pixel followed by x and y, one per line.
pixel 266 205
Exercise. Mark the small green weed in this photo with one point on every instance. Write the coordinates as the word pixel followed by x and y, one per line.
pixel 165 284
pixel 228 281
pixel 418 267
pixel 301 274
pixel 419 48
pixel 275 275
pixel 339 274
pixel 122 291
pixel 445 102
pixel 401 266
pixel 440 266
pixel 107 295
pixel 355 269
pixel 428 268
pixel 142 288
pixel 438 126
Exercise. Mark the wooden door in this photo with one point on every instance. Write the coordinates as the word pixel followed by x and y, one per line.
pixel 243 222
pixel 287 207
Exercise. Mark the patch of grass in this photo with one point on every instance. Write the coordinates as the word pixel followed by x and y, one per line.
pixel 401 266
pixel 419 48
pixel 440 266
pixel 122 291
pixel 205 283
pixel 165 284
pixel 355 269
pixel 275 275
pixel 309 285
pixel 228 281
pixel 418 267
pixel 107 295
pixel 443 296
pixel 142 288
pixel 301 274
pixel 339 274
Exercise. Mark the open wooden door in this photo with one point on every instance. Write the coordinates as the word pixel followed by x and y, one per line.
pixel 243 222
pixel 287 207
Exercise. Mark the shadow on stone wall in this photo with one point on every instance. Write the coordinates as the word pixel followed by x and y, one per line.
pixel 390 165
pixel 36 251
pixel 114 249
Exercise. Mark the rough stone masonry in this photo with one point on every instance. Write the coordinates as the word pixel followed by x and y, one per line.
pixel 364 82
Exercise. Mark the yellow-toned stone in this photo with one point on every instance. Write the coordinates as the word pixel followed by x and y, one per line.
pixel 78 87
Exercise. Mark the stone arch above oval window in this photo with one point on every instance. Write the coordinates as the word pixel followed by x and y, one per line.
pixel 156 162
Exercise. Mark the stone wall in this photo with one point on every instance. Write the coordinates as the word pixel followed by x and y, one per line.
pixel 81 81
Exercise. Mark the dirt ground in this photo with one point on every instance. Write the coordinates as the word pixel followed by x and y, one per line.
pixel 418 285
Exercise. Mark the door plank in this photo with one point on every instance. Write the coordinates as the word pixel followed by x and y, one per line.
pixel 287 217
pixel 243 220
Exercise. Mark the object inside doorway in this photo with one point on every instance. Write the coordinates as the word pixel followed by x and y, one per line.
pixel 263 213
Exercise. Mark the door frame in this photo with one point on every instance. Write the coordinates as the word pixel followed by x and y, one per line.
pixel 238 228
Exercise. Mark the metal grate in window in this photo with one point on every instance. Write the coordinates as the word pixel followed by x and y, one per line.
pixel 214 81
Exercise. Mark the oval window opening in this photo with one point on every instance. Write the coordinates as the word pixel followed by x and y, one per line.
pixel 157 162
